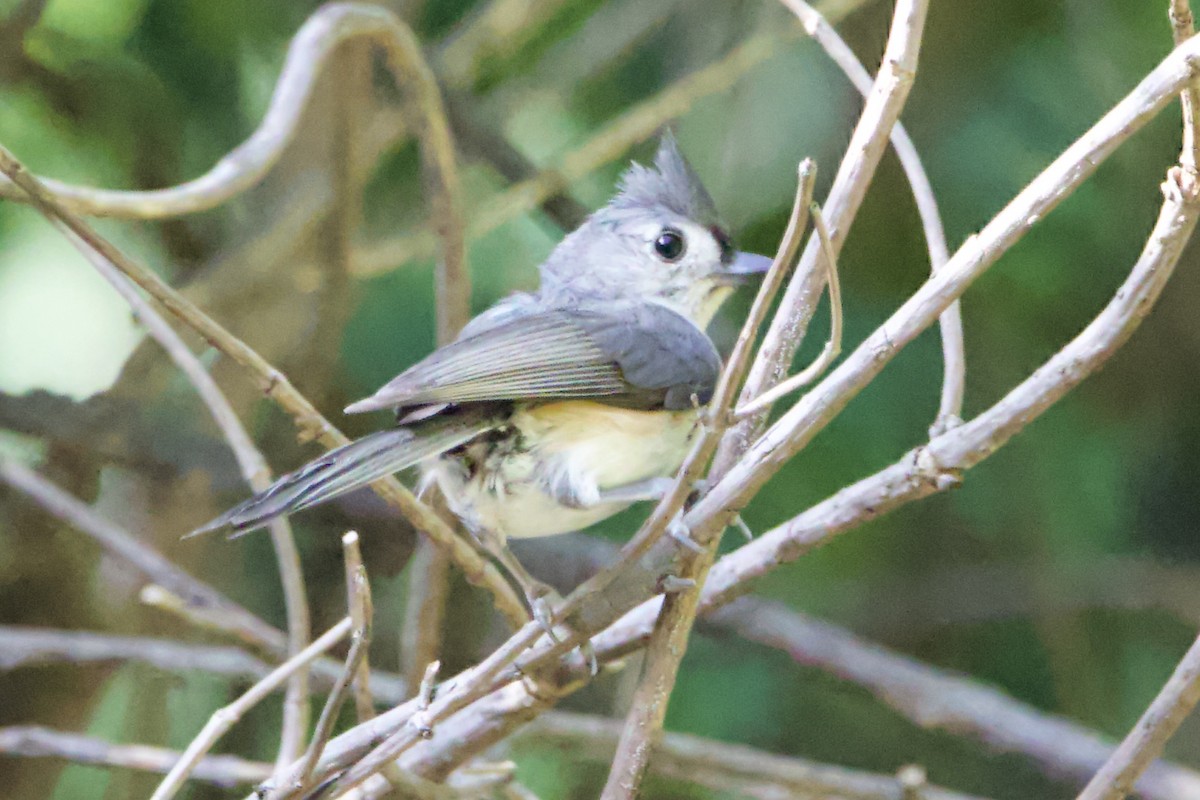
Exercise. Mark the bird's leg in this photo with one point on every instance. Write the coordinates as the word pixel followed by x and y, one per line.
pixel 655 489
pixel 538 595
pixel 636 492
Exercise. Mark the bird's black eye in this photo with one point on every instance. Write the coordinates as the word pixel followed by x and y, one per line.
pixel 669 245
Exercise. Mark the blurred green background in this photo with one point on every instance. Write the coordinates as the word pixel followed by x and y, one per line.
pixel 1064 571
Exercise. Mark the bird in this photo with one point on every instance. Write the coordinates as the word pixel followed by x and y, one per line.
pixel 555 409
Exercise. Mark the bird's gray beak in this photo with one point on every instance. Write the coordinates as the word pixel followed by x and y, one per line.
pixel 745 266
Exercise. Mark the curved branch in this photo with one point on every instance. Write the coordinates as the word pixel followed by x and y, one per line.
pixel 245 165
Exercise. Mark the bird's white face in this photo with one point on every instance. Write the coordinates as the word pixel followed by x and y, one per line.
pixel 657 240
pixel 645 254
pixel 679 262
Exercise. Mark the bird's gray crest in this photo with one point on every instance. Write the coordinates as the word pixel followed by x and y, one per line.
pixel 671 183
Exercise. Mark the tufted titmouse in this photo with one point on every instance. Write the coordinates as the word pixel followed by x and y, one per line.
pixel 554 410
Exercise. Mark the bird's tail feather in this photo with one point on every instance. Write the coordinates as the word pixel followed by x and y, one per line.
pixel 349 467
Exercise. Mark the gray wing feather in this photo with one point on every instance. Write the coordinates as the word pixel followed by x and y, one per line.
pixel 351 466
pixel 637 354
pixel 658 350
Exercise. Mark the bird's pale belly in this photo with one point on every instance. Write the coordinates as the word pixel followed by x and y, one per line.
pixel 546 471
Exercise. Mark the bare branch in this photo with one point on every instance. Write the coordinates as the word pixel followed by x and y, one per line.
pixel 718 766
pixel 203 601
pixel 225 718
pixel 1182 28
pixel 38 742
pixel 359 592
pixel 937 699
pixel 22 646
pixel 275 385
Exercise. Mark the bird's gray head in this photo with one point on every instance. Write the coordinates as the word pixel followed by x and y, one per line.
pixel 659 238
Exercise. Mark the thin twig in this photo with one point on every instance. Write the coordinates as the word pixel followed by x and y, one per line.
pixel 362 611
pixel 720 767
pixel 39 742
pixel 275 385
pixel 225 718
pixel 871 134
pixel 359 594
pixel 22 646
pixel 833 346
pixel 254 471
pixel 953 356
pixel 1182 28
pixel 419 723
pixel 201 599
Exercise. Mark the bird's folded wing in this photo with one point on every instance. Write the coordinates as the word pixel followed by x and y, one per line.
pixel 635 354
